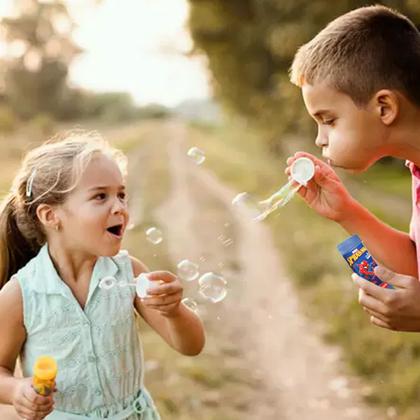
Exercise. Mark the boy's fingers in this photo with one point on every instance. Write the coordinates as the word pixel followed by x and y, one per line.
pixel 371 303
pixel 372 289
pixel 379 323
pixel 393 278
pixel 314 159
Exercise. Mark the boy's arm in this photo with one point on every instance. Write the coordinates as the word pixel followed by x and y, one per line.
pixel 388 246
pixel 182 329
pixel 326 194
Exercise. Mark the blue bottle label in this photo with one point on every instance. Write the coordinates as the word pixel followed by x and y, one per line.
pixel 361 262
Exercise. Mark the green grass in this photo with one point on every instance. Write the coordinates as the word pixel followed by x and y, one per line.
pixel 389 362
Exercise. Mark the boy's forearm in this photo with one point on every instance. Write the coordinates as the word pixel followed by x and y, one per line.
pixel 391 247
pixel 7 386
pixel 186 333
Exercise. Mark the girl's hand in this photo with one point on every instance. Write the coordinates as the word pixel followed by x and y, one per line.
pixel 167 296
pixel 325 193
pixel 30 405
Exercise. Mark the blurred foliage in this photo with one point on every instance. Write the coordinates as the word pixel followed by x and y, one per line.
pixel 250 46
pixel 39 51
pixel 34 70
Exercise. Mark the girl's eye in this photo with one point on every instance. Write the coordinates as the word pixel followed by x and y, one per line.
pixel 328 122
pixel 100 196
pixel 122 195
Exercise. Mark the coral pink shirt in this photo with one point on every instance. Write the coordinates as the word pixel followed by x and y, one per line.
pixel 415 216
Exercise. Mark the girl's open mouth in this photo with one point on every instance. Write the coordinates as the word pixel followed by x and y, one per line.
pixel 116 230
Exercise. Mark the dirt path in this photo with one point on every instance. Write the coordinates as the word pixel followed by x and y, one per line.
pixel 258 330
pixel 302 377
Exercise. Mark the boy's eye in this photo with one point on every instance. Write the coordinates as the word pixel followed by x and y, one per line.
pixel 122 195
pixel 100 196
pixel 328 122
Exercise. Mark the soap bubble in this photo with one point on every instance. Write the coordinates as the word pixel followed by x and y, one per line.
pixel 245 202
pixel 107 283
pixel 197 155
pixel 154 235
pixel 187 270
pixel 131 226
pixel 212 287
pixel 190 304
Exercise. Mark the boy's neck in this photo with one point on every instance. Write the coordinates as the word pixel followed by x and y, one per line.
pixel 406 137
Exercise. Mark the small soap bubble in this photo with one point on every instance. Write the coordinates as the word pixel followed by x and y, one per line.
pixel 187 270
pixel 197 155
pixel 154 235
pixel 190 304
pixel 131 226
pixel 212 287
pixel 107 283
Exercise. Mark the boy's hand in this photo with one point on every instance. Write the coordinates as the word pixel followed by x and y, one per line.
pixel 165 297
pixel 30 405
pixel 325 193
pixel 396 309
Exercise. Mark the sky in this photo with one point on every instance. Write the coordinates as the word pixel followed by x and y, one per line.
pixel 137 46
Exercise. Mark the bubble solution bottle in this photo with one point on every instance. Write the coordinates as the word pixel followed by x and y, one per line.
pixel 45 372
pixel 360 261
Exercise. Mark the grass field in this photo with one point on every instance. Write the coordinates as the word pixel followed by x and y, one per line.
pixel 388 361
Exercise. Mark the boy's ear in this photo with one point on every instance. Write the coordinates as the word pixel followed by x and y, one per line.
pixel 387 105
pixel 47 216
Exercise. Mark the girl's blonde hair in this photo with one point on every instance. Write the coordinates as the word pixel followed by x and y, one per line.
pixel 47 175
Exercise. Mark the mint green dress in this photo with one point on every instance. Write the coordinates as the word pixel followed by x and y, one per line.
pixel 97 349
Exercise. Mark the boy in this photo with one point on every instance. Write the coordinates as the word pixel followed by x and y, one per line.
pixel 360 81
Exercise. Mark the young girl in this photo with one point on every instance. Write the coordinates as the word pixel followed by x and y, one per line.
pixel 61 229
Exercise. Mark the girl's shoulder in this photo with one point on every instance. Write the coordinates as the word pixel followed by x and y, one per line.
pixel 137 266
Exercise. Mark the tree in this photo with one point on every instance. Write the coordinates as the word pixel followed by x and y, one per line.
pixel 39 52
pixel 250 45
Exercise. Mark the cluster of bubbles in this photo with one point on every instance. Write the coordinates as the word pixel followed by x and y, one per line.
pixel 212 287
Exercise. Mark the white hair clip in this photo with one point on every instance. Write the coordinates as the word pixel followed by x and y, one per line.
pixel 29 184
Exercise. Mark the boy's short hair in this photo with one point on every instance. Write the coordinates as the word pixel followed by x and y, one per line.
pixel 361 52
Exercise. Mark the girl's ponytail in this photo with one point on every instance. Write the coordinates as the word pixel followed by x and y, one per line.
pixel 15 249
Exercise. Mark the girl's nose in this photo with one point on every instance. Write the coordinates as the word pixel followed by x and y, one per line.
pixel 119 206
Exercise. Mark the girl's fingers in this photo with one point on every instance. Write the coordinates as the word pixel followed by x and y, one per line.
pixel 165 289
pixel 165 276
pixel 165 308
pixel 162 300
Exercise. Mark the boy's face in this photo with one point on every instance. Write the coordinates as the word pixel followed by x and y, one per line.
pixel 350 137
pixel 94 215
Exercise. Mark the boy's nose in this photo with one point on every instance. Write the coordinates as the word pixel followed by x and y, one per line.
pixel 321 139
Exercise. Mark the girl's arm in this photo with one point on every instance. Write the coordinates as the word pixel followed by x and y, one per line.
pixel 17 392
pixel 178 326
pixel 12 337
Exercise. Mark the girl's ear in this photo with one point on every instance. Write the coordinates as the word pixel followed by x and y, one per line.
pixel 48 216
pixel 387 105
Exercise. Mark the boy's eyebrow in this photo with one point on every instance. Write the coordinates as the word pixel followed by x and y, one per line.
pixel 103 187
pixel 320 112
